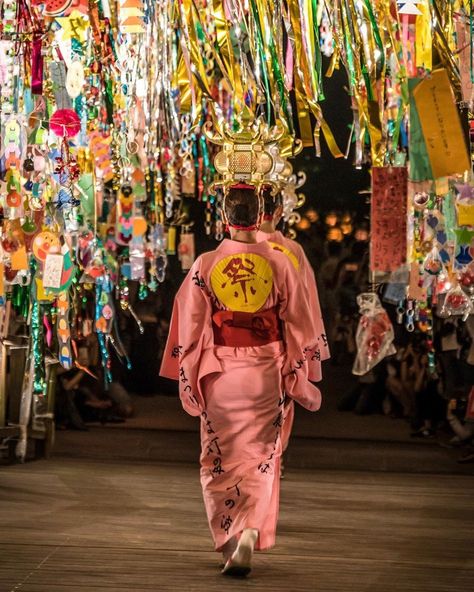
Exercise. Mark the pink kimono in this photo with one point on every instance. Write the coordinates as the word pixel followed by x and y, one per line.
pixel 320 350
pixel 237 346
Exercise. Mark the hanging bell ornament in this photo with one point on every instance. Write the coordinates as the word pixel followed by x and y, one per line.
pixel 126 190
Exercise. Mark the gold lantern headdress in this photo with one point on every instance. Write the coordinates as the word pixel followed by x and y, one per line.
pixel 250 154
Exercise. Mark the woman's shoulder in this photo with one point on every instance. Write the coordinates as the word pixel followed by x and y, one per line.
pixel 281 264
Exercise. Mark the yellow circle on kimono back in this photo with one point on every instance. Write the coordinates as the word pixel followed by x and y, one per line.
pixel 242 282
pixel 291 256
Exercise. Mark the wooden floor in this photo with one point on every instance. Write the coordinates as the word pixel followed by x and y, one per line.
pixel 76 526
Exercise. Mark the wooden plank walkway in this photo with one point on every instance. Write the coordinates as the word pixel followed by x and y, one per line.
pixel 70 525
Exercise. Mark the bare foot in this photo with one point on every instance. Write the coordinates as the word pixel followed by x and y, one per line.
pixel 239 565
pixel 229 548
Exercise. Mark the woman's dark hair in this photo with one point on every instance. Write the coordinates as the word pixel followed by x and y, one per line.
pixel 241 206
pixel 271 202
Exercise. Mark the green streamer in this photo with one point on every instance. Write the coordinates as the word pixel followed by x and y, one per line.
pixel 21 300
pixel 37 345
pixel 368 84
pixel 280 85
pixel 349 54
pixel 375 29
pixel 262 59
pixel 109 101
pixel 317 50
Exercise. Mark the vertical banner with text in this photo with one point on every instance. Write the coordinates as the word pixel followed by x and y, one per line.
pixel 388 247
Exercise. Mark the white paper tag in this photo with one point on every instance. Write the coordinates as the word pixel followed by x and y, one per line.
pixel 53 269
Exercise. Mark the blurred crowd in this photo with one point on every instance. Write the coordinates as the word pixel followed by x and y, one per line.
pixel 435 397
pixel 337 245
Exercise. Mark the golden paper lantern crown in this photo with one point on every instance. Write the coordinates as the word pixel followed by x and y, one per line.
pixel 250 154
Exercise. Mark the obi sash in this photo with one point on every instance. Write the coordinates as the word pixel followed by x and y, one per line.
pixel 246 329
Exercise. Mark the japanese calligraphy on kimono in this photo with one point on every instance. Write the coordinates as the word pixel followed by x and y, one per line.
pixel 243 290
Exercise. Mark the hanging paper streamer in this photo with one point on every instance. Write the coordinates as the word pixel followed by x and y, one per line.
pixel 388 215
pixel 63 331
pixel 423 36
pixel 465 49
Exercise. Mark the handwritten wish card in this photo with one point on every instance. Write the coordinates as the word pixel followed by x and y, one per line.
pixel 441 125
pixel 53 269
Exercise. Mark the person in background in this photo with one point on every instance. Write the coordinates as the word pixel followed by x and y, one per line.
pixel 326 282
pixel 82 398
pixel 456 345
pixel 273 212
pixel 351 279
pixel 237 348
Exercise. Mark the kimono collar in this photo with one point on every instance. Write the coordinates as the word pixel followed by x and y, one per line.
pixel 232 246
pixel 276 236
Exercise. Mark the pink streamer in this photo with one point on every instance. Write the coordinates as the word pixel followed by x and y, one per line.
pixel 49 331
pixel 36 68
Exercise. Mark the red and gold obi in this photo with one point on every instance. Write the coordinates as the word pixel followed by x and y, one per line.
pixel 246 329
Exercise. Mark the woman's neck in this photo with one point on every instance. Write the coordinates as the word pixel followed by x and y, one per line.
pixel 268 226
pixel 243 236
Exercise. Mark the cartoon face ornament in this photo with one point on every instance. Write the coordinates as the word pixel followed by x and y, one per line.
pixel 45 242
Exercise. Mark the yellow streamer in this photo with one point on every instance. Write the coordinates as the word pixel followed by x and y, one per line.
pixel 423 43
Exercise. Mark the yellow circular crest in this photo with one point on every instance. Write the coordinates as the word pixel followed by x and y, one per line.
pixel 291 256
pixel 242 282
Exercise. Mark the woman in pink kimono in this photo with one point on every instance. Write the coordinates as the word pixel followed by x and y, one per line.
pixel 273 212
pixel 237 346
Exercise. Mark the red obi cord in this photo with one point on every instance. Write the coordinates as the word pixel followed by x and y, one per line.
pixel 246 329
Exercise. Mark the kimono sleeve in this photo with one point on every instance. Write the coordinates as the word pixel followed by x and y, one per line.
pixel 320 350
pixel 299 339
pixel 188 355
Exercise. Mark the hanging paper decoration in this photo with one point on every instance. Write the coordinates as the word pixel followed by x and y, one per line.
pixel 388 215
pixel 441 126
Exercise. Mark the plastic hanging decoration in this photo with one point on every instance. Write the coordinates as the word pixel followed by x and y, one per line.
pixel 374 336
pixel 433 264
pixel 457 302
